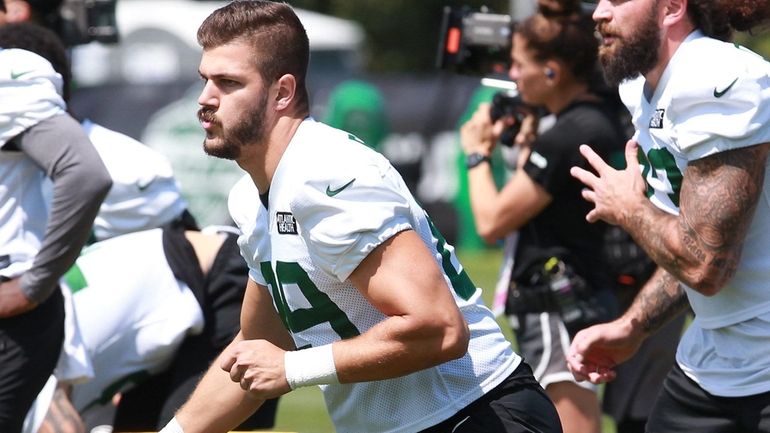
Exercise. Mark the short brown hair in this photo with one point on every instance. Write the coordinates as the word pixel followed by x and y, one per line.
pixel 274 31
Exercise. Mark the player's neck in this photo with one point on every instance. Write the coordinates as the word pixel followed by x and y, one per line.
pixel 262 162
pixel 672 40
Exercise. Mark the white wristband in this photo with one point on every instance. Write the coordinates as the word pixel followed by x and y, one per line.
pixel 172 427
pixel 312 366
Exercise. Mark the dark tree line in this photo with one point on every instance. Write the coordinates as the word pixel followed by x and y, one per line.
pixel 402 35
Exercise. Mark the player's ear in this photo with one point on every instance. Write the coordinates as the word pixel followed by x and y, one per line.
pixel 674 11
pixel 286 87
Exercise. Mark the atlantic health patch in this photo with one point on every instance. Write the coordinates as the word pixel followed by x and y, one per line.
pixel 287 225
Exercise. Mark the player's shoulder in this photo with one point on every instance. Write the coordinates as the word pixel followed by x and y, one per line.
pixel 713 69
pixel 320 155
pixel 26 68
pixel 243 202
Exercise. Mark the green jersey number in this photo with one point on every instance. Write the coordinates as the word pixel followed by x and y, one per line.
pixel 461 282
pixel 322 309
pixel 658 161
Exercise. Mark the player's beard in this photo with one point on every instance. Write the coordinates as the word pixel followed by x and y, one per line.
pixel 632 55
pixel 249 129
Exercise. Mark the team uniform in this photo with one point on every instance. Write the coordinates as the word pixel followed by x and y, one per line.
pixel 331 202
pixel 713 97
pixel 131 325
pixel 38 239
pixel 30 82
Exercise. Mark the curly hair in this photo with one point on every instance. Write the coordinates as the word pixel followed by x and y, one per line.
pixel 720 18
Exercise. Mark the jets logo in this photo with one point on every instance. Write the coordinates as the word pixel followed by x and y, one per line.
pixel 287 225
pixel 657 119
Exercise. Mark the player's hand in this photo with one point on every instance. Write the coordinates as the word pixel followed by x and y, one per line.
pixel 258 366
pixel 12 300
pixel 597 350
pixel 616 194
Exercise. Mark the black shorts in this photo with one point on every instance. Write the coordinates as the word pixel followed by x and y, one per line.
pixel 685 407
pixel 517 405
pixel 29 349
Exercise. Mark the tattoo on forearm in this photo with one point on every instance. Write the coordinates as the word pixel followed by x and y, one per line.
pixel 718 197
pixel 61 416
pixel 660 303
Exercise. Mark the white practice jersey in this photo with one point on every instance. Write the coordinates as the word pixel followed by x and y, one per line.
pixel 332 201
pixel 29 93
pixel 131 312
pixel 144 194
pixel 713 97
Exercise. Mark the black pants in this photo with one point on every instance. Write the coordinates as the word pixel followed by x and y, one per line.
pixel 29 349
pixel 518 405
pixel 683 406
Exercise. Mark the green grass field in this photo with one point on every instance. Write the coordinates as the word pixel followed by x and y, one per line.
pixel 303 410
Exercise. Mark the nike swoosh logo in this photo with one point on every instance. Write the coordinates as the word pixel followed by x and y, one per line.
pixel 332 192
pixel 719 94
pixel 144 184
pixel 15 75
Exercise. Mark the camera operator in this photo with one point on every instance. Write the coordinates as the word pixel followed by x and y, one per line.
pixel 558 283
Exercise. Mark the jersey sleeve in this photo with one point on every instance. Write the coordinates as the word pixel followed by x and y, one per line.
pixel 30 91
pixel 347 215
pixel 722 109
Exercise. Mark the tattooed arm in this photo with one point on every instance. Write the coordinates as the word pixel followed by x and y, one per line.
pixel 597 350
pixel 61 416
pixel 701 246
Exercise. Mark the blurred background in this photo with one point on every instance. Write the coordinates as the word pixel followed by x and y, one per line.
pixel 373 70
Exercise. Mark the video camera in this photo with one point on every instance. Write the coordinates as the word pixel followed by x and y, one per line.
pixel 479 43
pixel 84 21
pixel 474 43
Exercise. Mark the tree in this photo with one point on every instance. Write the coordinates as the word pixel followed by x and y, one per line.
pixel 402 35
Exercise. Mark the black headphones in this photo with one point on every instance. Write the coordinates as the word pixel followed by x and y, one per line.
pixel 550 73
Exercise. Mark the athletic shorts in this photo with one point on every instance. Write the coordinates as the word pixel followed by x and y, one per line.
pixel 544 342
pixel 685 407
pixel 29 348
pixel 517 405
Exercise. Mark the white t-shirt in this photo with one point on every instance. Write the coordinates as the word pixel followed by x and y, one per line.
pixel 332 201
pixel 713 97
pixel 29 93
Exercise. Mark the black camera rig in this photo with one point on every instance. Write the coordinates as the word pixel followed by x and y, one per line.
pixel 479 43
pixel 474 43
pixel 84 21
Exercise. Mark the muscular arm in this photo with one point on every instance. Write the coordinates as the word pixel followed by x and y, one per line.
pixel 80 180
pixel 424 327
pixel 701 247
pixel 597 350
pixel 660 300
pixel 218 404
